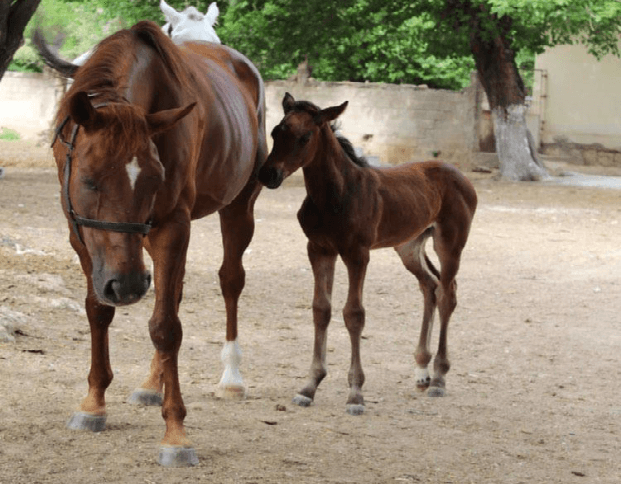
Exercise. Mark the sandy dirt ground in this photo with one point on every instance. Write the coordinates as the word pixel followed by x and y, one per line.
pixel 533 395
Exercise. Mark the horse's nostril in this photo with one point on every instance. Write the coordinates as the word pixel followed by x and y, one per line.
pixel 111 290
pixel 127 289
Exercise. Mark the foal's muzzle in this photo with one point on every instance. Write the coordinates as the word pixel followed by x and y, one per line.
pixel 271 177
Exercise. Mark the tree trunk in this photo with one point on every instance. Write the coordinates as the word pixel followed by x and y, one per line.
pixel 14 16
pixel 505 91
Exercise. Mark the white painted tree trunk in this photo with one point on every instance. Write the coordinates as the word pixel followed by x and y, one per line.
pixel 517 160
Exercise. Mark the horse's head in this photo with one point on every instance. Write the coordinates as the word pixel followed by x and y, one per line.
pixel 190 25
pixel 111 176
pixel 296 139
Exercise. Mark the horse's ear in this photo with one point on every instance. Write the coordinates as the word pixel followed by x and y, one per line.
pixel 170 13
pixel 166 119
pixel 288 102
pixel 330 114
pixel 82 111
pixel 211 16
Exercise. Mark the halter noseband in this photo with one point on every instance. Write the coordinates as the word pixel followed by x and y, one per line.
pixel 74 218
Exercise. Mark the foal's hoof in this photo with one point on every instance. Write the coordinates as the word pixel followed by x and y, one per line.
pixel 231 392
pixel 436 392
pixel 140 396
pixel 174 456
pixel 87 421
pixel 302 401
pixel 355 409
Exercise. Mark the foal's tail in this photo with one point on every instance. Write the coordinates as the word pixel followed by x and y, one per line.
pixel 423 239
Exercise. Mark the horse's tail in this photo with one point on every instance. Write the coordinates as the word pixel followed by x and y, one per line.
pixel 63 67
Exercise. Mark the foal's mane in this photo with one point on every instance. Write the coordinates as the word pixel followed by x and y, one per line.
pixel 346 145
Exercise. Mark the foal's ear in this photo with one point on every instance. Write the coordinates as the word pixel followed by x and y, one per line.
pixel 288 102
pixel 82 111
pixel 166 119
pixel 330 114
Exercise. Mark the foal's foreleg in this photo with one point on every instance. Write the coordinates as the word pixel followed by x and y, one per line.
pixel 237 225
pixel 354 316
pixel 323 271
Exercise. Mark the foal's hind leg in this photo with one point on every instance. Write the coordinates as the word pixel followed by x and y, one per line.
pixel 322 263
pixel 448 244
pixel 237 225
pixel 413 256
pixel 354 316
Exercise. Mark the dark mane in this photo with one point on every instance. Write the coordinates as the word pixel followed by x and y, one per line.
pixel 348 148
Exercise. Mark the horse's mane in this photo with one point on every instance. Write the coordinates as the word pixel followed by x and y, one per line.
pixel 107 70
pixel 346 145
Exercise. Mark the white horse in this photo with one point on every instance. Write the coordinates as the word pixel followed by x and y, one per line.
pixel 189 25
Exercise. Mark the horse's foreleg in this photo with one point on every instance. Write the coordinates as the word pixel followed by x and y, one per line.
pixel 413 257
pixel 322 264
pixel 237 226
pixel 354 316
pixel 168 247
pixel 92 411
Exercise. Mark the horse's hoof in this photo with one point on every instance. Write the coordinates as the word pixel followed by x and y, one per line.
pixel 140 396
pixel 173 456
pixel 87 421
pixel 231 392
pixel 302 401
pixel 355 409
pixel 436 392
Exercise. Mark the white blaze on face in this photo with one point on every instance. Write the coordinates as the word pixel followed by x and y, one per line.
pixel 133 171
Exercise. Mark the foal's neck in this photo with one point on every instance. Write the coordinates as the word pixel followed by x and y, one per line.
pixel 328 175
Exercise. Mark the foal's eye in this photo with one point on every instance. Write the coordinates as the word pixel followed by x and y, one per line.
pixel 304 139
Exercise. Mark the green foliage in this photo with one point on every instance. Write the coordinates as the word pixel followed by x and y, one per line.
pixel 402 41
pixel 7 134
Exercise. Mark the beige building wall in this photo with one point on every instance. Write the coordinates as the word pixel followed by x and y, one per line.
pixel 582 102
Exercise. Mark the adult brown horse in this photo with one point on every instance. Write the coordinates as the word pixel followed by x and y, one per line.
pixel 352 208
pixel 151 136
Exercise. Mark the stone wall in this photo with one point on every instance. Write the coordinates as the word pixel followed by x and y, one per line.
pixel 396 123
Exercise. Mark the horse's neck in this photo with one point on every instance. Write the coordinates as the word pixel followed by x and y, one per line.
pixel 327 175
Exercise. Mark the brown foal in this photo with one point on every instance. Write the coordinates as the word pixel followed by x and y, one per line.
pixel 352 208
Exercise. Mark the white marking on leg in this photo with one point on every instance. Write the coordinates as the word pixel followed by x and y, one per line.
pixel 422 377
pixel 133 171
pixel 232 383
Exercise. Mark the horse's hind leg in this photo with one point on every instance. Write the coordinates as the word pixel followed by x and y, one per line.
pixel 322 263
pixel 413 257
pixel 237 225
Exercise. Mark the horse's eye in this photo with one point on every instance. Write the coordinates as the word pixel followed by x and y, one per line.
pixel 90 184
pixel 304 139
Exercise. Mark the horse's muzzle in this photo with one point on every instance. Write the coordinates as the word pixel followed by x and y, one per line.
pixel 123 289
pixel 271 177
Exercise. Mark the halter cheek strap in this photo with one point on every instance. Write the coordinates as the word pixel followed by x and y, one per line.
pixel 75 219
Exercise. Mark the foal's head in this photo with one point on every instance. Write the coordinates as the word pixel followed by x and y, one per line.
pixel 115 173
pixel 297 139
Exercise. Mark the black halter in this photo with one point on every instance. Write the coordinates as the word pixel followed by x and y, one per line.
pixel 74 218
